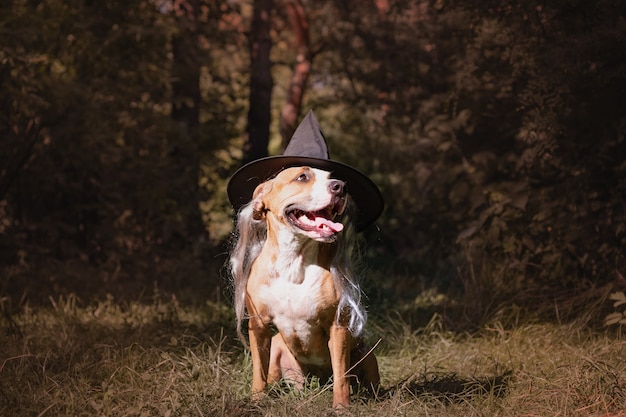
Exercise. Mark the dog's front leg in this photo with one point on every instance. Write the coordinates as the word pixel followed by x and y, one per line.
pixel 339 346
pixel 260 343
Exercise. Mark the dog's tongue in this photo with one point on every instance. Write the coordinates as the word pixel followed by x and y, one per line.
pixel 320 222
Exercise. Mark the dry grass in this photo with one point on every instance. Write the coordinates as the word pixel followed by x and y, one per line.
pixel 167 359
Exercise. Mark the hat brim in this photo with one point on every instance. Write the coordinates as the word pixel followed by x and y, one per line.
pixel 364 192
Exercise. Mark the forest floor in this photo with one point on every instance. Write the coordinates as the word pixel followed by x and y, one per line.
pixel 159 356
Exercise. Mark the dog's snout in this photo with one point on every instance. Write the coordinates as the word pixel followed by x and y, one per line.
pixel 336 187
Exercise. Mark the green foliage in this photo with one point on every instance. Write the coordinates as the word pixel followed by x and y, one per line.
pixel 494 134
pixel 556 218
pixel 107 177
pixel 99 116
pixel 495 130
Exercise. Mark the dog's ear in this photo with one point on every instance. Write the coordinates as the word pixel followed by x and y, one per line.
pixel 258 203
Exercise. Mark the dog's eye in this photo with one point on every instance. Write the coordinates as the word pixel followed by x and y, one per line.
pixel 304 177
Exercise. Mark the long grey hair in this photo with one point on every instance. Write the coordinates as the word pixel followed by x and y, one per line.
pixel 248 240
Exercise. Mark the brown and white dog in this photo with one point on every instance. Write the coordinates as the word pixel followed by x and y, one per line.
pixel 291 266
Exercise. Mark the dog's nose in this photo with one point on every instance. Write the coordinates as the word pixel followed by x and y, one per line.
pixel 336 187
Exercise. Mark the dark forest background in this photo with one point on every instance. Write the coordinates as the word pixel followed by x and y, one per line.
pixel 495 130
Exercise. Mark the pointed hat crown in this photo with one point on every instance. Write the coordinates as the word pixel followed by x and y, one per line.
pixel 308 147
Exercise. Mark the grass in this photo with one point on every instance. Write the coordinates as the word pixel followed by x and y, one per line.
pixel 167 358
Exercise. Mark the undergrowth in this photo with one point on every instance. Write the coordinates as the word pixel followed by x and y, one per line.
pixel 162 358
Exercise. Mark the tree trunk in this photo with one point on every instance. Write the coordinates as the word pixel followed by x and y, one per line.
pixel 186 70
pixel 25 139
pixel 183 152
pixel 301 70
pixel 259 113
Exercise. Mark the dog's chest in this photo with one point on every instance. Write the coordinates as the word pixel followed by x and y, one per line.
pixel 300 309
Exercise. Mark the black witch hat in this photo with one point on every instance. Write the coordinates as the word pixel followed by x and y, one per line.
pixel 307 147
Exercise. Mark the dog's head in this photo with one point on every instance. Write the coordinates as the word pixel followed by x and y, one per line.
pixel 303 199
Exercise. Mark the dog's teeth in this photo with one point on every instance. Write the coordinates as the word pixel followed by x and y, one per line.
pixel 322 220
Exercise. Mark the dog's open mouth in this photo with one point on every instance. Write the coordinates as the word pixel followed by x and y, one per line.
pixel 320 222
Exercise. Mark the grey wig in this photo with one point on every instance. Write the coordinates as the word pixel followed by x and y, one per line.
pixel 248 240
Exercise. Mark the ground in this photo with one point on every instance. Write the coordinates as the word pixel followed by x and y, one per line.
pixel 161 356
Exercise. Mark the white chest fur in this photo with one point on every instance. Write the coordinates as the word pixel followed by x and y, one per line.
pixel 293 306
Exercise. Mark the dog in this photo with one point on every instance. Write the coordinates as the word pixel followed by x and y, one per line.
pixel 291 265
